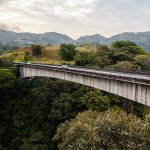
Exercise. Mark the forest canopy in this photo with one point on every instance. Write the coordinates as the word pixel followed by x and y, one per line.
pixel 45 113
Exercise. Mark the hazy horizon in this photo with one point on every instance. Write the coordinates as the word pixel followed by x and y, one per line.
pixel 72 37
pixel 75 18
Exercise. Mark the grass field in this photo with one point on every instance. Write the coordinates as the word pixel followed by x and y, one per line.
pixel 49 55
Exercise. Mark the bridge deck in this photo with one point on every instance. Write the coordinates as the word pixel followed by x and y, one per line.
pixel 142 78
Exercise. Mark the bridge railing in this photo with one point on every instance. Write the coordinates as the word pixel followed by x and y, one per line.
pixel 104 73
pixel 91 68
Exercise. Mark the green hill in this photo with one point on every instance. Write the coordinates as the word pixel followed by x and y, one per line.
pixel 49 55
pixel 25 39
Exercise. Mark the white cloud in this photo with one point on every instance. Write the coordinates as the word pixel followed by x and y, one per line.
pixel 73 8
pixel 9 27
pixel 77 17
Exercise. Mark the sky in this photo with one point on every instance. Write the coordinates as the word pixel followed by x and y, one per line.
pixel 75 18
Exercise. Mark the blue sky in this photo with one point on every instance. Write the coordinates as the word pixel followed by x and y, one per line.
pixel 75 17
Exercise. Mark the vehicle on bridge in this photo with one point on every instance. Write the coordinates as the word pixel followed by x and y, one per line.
pixel 25 62
pixel 65 67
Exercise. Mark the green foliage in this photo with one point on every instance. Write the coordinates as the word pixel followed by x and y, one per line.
pixel 103 56
pixel 120 56
pixel 96 101
pixel 103 61
pixel 7 79
pixel 102 48
pixel 121 44
pixel 34 142
pixel 31 110
pixel 91 98
pixel 128 46
pixel 6 61
pixel 123 65
pixel 36 50
pixel 27 56
pixel 85 59
pixel 68 132
pixel 123 55
pixel 119 51
pixel 143 61
pixel 62 107
pixel 107 130
pixel 67 51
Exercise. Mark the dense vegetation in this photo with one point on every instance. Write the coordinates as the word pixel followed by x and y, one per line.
pixel 7 47
pixel 104 130
pixel 44 114
pixel 122 55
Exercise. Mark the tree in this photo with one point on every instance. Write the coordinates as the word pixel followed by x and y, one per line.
pixel 104 48
pixel 7 79
pixel 34 142
pixel 121 44
pixel 128 47
pixel 67 51
pixel 96 101
pixel 103 56
pixel 36 50
pixel 105 130
pixel 120 56
pixel 103 61
pixel 27 56
pixel 143 61
pixel 7 61
pixel 85 59
pixel 62 107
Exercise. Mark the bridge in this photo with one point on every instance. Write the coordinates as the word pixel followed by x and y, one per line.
pixel 133 86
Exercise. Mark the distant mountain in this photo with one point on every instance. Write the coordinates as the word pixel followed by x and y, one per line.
pixel 91 39
pixel 21 39
pixel 141 39
pixel 31 38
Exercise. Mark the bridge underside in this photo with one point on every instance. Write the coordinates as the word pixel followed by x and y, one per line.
pixel 130 90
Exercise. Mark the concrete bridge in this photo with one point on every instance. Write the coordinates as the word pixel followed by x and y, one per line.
pixel 133 86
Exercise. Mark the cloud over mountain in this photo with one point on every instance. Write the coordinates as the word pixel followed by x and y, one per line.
pixel 77 17
pixel 8 27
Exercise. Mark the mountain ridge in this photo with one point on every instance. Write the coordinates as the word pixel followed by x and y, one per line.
pixel 26 38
